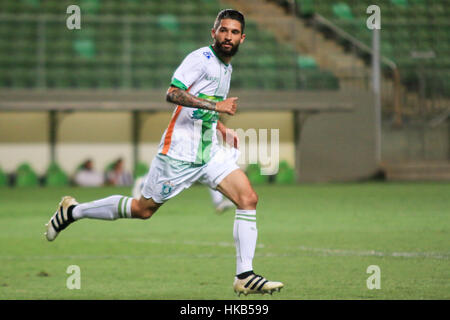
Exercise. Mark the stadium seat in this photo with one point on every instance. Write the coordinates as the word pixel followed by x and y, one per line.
pixel 400 3
pixel 305 7
pixel 169 22
pixel 85 48
pixel 90 6
pixel 342 11
pixel 306 62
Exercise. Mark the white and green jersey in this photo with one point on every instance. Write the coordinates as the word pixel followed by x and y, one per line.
pixel 191 134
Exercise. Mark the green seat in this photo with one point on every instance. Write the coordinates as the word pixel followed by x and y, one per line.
pixel 90 6
pixel 286 174
pixel 317 80
pixel 342 11
pixel 306 62
pixel 32 3
pixel 254 174
pixel 169 22
pixel 85 48
pixel 400 3
pixel 305 7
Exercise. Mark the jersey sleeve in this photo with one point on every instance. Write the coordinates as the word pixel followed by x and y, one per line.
pixel 189 71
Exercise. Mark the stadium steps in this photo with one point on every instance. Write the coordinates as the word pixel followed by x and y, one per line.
pixel 328 54
pixel 418 171
pixel 410 27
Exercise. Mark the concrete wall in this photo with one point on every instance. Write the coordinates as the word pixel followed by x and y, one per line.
pixel 332 146
pixel 339 146
pixel 104 136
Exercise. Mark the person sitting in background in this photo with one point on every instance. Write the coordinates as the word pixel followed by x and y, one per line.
pixel 117 176
pixel 86 176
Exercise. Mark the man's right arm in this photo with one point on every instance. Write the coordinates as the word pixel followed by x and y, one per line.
pixel 183 98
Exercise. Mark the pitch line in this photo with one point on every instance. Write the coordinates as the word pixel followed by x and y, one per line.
pixel 323 251
pixel 320 251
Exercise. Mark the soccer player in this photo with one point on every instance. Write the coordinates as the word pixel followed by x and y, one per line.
pixel 189 151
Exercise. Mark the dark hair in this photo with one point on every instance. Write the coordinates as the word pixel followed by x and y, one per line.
pixel 230 14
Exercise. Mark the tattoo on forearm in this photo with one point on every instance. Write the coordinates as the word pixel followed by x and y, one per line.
pixel 186 99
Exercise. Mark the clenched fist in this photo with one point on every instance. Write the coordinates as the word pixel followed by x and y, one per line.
pixel 228 106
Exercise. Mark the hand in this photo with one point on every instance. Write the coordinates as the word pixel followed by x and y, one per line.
pixel 232 138
pixel 228 106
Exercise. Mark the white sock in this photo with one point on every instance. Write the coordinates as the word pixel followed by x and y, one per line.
pixel 245 235
pixel 216 196
pixel 110 208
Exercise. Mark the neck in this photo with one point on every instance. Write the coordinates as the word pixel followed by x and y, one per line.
pixel 225 59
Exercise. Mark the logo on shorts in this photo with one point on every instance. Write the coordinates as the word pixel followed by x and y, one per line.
pixel 167 188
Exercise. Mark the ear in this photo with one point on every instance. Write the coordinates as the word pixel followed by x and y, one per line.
pixel 242 38
pixel 213 33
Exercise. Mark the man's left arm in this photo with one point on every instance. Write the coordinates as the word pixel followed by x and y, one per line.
pixel 229 135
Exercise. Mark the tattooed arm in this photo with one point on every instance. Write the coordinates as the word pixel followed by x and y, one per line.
pixel 181 97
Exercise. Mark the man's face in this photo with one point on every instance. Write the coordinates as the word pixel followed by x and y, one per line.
pixel 227 37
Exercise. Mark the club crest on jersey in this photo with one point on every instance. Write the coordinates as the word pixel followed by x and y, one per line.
pixel 167 188
pixel 205 115
pixel 207 54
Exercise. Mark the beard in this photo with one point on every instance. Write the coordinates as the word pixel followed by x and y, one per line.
pixel 226 52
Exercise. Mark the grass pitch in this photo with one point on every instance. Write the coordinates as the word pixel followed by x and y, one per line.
pixel 317 239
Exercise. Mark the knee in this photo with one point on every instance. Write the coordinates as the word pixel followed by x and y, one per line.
pixel 141 210
pixel 249 200
pixel 145 214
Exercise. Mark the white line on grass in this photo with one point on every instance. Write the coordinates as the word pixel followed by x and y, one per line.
pixel 321 251
pixel 324 251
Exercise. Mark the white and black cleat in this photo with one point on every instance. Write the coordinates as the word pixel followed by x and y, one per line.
pixel 254 284
pixel 61 218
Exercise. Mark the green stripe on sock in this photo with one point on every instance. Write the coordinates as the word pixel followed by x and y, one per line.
pixel 125 208
pixel 120 207
pixel 246 215
pixel 239 218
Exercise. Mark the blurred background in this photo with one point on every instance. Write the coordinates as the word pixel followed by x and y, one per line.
pixel 306 68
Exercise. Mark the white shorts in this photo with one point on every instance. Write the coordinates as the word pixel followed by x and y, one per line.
pixel 167 177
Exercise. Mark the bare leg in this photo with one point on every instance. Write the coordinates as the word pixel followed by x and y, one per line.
pixel 238 189
pixel 144 208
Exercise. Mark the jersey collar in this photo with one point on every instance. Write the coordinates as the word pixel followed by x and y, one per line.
pixel 210 47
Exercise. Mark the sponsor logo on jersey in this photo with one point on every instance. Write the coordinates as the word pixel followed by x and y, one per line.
pixel 207 54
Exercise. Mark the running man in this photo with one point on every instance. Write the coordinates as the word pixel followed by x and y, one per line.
pixel 189 151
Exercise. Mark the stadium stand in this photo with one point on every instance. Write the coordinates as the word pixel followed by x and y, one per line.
pixel 135 44
pixel 416 35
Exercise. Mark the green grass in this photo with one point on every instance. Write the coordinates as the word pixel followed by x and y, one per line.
pixel 317 239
